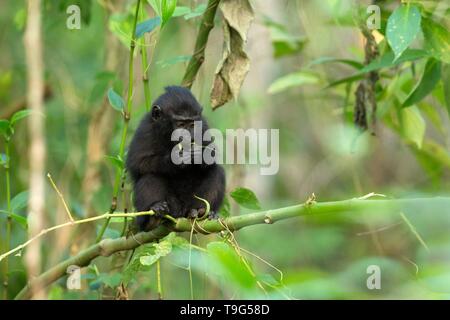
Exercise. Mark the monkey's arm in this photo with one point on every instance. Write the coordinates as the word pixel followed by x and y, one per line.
pixel 147 163
pixel 150 193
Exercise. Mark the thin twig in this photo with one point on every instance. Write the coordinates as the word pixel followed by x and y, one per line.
pixel 60 196
pixel 106 215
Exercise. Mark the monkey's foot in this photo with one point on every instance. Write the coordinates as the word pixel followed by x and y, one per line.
pixel 213 215
pixel 196 213
pixel 200 214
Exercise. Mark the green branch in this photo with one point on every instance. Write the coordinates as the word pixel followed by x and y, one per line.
pixel 200 44
pixel 126 119
pixel 107 247
pixel 9 218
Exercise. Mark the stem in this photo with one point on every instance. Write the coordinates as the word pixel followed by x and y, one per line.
pixel 158 277
pixel 145 66
pixel 9 218
pixel 126 118
pixel 107 247
pixel 148 101
pixel 200 44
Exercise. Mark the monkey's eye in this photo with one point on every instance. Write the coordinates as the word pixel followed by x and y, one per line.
pixel 156 112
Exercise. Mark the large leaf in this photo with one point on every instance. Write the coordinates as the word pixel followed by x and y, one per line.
pixel 147 26
pixel 245 198
pixel 235 64
pixel 402 27
pixel 437 40
pixel 292 80
pixel 20 115
pixel 430 77
pixel 413 125
pixel 115 100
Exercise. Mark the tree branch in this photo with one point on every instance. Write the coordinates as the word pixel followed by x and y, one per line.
pixel 107 247
pixel 200 44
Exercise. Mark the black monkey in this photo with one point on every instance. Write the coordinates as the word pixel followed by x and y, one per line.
pixel 160 184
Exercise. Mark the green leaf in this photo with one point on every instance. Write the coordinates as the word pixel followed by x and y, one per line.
pixel 162 249
pixel 135 265
pixel 198 11
pixel 147 26
pixel 121 24
pixel 282 41
pixel 292 80
pixel 228 263
pixel 181 11
pixel 115 100
pixel 156 5
pixel 176 240
pixel 4 126
pixel 225 210
pixel 116 161
pixel 102 81
pixel 110 233
pixel 22 221
pixel 20 115
pixel 437 40
pixel 353 63
pixel 110 280
pixel 402 27
pixel 387 60
pixel 446 85
pixel 167 8
pixel 245 198
pixel 19 201
pixel 430 77
pixel 171 61
pixel 413 125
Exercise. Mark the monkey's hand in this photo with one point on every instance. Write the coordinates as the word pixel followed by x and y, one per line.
pixel 147 223
pixel 160 208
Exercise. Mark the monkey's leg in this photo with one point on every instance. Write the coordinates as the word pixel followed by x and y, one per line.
pixel 212 189
pixel 150 193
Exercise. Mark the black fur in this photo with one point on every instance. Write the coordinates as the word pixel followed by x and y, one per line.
pixel 159 184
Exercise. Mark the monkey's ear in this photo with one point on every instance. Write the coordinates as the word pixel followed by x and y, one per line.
pixel 156 112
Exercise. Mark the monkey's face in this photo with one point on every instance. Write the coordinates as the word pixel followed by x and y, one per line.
pixel 171 119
